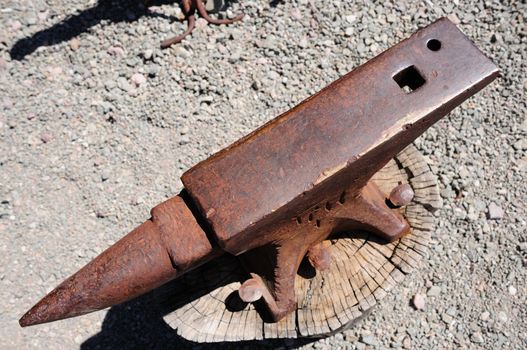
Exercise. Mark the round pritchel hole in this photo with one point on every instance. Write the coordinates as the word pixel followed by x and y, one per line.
pixel 433 44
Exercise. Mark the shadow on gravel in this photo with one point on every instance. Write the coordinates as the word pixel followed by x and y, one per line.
pixel 138 324
pixel 113 11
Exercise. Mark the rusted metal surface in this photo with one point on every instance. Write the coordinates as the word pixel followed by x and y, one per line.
pixel 162 248
pixel 275 195
pixel 189 8
pixel 401 195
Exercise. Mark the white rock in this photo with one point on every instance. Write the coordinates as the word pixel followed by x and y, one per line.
pixel 74 44
pixel 419 301
pixel 512 290
pixel 484 316
pixel 138 79
pixel 476 337
pixel 147 55
pixel 453 18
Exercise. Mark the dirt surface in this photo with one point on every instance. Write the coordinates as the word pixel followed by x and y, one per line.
pixel 97 124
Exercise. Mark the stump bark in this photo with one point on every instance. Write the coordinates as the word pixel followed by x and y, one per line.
pixel 204 306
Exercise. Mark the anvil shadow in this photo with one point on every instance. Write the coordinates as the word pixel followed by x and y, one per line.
pixel 140 324
pixel 113 11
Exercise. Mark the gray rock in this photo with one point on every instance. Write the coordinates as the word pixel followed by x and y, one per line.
pixel 476 337
pixel 368 339
pixel 495 212
pixel 434 291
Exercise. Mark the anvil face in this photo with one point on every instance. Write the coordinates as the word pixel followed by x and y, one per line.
pixel 337 138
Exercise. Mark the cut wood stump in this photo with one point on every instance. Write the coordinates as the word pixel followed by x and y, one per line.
pixel 204 306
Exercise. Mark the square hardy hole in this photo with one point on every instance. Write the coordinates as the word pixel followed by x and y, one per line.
pixel 409 79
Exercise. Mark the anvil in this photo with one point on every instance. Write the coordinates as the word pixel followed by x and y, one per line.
pixel 272 197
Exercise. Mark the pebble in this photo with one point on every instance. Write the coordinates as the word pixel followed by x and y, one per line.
pixel 495 212
pixel 148 54
pixel 484 316
pixel 476 337
pixel 138 79
pixel 368 339
pixel 201 23
pixel 520 145
pixel 419 301
pixel 407 343
pixel 434 291
pixel 46 137
pixel 512 290
pixel 74 44
pixel 116 51
pixel 181 52
pixel 454 19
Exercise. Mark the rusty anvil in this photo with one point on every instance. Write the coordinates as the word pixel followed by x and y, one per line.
pixel 272 197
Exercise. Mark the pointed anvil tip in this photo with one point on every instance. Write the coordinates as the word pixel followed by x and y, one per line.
pixel 157 251
pixel 320 154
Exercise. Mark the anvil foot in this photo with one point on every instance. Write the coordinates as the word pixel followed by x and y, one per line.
pixel 273 267
pixel 189 9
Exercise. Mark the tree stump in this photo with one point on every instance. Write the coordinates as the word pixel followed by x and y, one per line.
pixel 204 306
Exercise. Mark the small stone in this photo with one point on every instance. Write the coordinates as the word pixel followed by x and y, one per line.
pixel 43 15
pixel 407 343
pixel 148 54
pixel 181 52
pixel 201 23
pixel 495 212
pixel 105 176
pixel 476 337
pixel 3 64
pixel 296 14
pixel 46 137
pixel 360 346
pixel 419 301
pixel 512 290
pixel 484 316
pixel 116 51
pixel 523 246
pixel 368 339
pixel 434 291
pixel 454 19
pixel 447 318
pixel 15 26
pixel 138 79
pixel 74 44
pixel 78 339
pixel 391 18
pixel 520 145
pixel 502 316
pixel 52 73
pixel 349 31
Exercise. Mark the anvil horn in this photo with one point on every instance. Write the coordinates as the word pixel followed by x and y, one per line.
pixel 146 258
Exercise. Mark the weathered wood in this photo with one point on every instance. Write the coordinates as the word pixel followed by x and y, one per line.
pixel 203 306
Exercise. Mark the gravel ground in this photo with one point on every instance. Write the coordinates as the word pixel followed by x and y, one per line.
pixel 97 124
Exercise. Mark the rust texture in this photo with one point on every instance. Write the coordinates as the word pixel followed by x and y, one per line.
pixel 274 196
pixel 169 244
pixel 189 8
